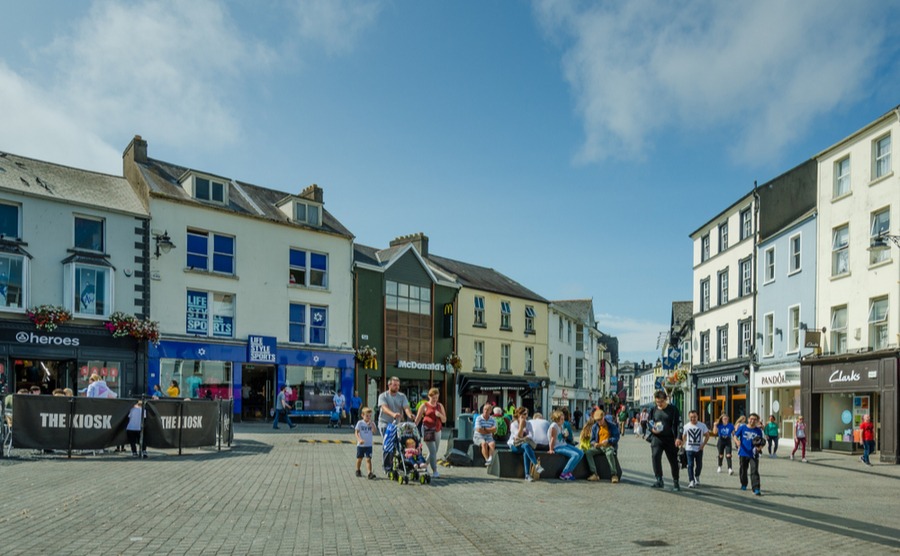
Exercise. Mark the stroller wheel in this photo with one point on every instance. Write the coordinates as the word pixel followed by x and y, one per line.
pixel 428 479
pixel 422 479
pixel 405 480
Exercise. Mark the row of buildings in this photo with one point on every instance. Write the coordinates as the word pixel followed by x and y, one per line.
pixel 796 299
pixel 169 273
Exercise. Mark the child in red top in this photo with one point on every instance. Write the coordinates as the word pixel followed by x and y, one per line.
pixel 868 438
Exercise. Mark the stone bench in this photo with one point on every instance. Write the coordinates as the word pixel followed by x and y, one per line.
pixel 508 465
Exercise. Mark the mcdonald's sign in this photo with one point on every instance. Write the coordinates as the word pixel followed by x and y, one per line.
pixel 448 320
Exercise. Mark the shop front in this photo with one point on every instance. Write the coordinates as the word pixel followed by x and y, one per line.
pixel 778 394
pixel 66 358
pixel 251 373
pixel 721 392
pixel 475 390
pixel 416 378
pixel 840 390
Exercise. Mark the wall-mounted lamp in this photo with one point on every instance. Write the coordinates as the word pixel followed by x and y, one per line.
pixel 881 241
pixel 803 326
pixel 759 335
pixel 163 243
pixel 779 332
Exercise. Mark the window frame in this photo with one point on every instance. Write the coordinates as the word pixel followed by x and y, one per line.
pixel 297 324
pixel 505 357
pixel 746 217
pixel 745 267
pixel 212 313
pixel 529 360
pixel 308 269
pixel 723 236
pixel 879 324
pixel 529 319
pixel 478 352
pixel 17 207
pixel 880 254
pixel 793 329
pixel 213 254
pixel 70 288
pixel 505 315
pixel 843 251
pixel 313 326
pixel 769 265
pixel 306 212
pixel 745 337
pixel 704 347
pixel 841 177
pixel 722 283
pixel 8 262
pixel 839 334
pixel 704 247
pixel 478 303
pixel 704 295
pixel 795 254
pixel 86 218
pixel 881 157
pixel 722 343
pixel 769 335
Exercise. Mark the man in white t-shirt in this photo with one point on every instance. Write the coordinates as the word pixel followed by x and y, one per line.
pixel 483 434
pixel 541 427
pixel 695 437
pixel 393 404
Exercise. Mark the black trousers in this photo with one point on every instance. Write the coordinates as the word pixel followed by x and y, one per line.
pixel 354 416
pixel 133 438
pixel 658 446
pixel 751 464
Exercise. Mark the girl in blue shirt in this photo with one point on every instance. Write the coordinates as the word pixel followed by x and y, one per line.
pixel 724 432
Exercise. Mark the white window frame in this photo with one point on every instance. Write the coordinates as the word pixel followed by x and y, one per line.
pixel 308 209
pixel 793 328
pixel 876 228
pixel 308 269
pixel 769 335
pixel 769 265
pixel 704 347
pixel 214 304
pixel 4 288
pixel 529 360
pixel 840 251
pixel 70 292
pixel 686 352
pixel 722 280
pixel 212 183
pixel 704 248
pixel 881 157
pixel 879 309
pixel 479 355
pixel 723 236
pixel 795 253
pixel 704 295
pixel 839 329
pixel 746 223
pixel 722 343
pixel 841 186
pixel 505 357
pixel 479 310
pixel 505 315
pixel 560 327
pixel 745 333
pixel 529 319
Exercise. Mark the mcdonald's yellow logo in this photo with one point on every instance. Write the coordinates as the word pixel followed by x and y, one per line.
pixel 448 308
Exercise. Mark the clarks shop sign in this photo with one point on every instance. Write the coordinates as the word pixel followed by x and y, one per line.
pixel 846 377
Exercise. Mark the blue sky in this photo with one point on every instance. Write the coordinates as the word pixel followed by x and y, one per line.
pixel 570 145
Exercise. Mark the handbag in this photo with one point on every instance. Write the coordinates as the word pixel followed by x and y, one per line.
pixel 519 440
pixel 428 435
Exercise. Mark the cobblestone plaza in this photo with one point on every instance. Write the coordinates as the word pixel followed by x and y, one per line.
pixel 281 492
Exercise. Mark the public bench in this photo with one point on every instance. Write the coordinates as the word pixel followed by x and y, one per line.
pixel 508 465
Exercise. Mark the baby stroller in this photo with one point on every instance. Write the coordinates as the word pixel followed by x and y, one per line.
pixel 399 468
pixel 334 420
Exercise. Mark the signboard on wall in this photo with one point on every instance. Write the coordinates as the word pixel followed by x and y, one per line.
pixel 860 408
pixel 262 349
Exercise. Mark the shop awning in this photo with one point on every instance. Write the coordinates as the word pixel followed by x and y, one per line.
pixel 468 383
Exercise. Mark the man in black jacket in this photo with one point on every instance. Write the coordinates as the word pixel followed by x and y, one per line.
pixel 664 424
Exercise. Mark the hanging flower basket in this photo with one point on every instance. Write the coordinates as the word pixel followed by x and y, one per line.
pixel 454 360
pixel 368 357
pixel 48 317
pixel 678 376
pixel 121 325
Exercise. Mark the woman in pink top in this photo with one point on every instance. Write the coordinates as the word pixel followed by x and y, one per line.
pixel 800 438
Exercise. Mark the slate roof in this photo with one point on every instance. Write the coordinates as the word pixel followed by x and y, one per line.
pixel 582 309
pixel 68 185
pixel 682 311
pixel 163 178
pixel 482 278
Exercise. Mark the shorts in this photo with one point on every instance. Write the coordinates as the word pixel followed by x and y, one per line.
pixel 363 452
pixel 480 439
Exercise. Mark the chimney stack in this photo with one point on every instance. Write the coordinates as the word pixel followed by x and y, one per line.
pixel 136 150
pixel 313 193
pixel 419 241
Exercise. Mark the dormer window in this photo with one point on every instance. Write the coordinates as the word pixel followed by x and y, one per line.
pixel 307 213
pixel 208 189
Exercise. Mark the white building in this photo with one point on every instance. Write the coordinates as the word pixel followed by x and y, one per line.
pixel 252 288
pixel 77 240
pixel 573 344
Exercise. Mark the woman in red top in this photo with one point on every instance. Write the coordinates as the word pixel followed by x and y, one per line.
pixel 432 416
pixel 868 438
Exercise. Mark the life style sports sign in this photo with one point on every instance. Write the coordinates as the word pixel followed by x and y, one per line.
pixel 63 423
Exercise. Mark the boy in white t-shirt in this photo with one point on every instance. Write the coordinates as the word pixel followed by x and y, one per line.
pixel 695 437
pixel 365 428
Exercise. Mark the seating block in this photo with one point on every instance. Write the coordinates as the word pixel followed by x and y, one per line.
pixel 509 465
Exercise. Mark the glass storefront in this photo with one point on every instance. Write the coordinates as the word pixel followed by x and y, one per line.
pixel 197 379
pixel 313 388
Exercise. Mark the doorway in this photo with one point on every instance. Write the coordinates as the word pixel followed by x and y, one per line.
pixel 46 374
pixel 257 391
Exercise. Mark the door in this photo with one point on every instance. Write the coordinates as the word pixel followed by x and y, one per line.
pixel 48 375
pixel 257 391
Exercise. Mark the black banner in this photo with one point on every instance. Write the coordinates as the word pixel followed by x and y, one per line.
pixel 63 423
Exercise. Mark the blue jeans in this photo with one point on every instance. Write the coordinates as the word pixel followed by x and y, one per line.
pixel 868 448
pixel 528 456
pixel 571 452
pixel 695 464
pixel 287 419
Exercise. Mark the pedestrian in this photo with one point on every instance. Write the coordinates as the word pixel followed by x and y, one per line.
pixel 355 405
pixel 173 391
pixel 364 430
pixel 772 437
pixel 664 423
pixel 577 415
pixel 694 438
pixel 603 439
pixel 393 405
pixel 749 440
pixel 623 419
pixel 800 438
pixel 134 429
pixel 432 417
pixel 521 442
pixel 867 429
pixel 559 444
pixel 157 391
pixel 97 388
pixel 724 432
pixel 539 428
pixel 483 435
pixel 340 407
pixel 282 407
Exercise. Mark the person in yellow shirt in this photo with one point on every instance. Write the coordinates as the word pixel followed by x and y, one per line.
pixel 172 391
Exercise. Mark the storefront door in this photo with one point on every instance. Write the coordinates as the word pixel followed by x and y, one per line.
pixel 47 374
pixel 257 391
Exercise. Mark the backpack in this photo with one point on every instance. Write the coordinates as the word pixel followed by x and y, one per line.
pixel 502 427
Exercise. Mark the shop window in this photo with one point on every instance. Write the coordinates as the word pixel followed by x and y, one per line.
pixel 878 323
pixel 109 371
pixel 210 312
pixel 839 329
pixel 308 269
pixel 197 379
pixel 315 387
pixel 12 283
pixel 88 290
pixel 89 234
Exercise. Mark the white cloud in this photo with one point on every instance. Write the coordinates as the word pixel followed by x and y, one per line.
pixel 762 70
pixel 335 24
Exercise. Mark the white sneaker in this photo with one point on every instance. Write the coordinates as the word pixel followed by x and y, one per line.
pixel 697 480
pixel 792 457
pixel 803 460
pixel 719 469
pixel 435 475
pixel 528 479
pixel 488 461
pixel 691 484
pixel 730 471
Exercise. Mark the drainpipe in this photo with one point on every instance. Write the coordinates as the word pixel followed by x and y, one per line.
pixel 753 394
